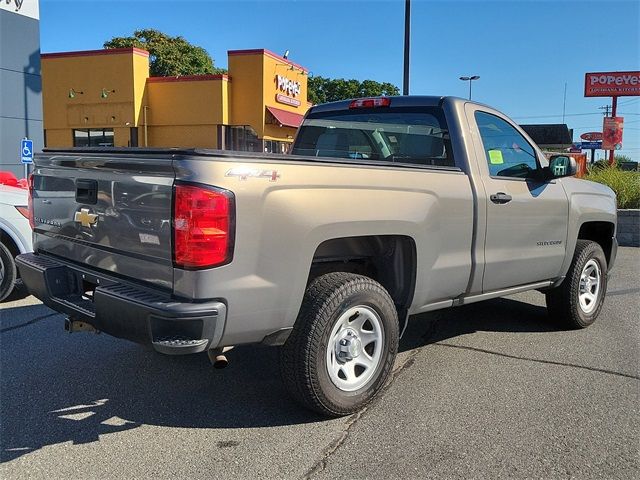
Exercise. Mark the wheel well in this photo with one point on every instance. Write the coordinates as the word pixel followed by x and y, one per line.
pixel 387 259
pixel 9 243
pixel 599 232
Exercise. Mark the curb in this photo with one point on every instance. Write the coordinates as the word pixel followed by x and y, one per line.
pixel 628 232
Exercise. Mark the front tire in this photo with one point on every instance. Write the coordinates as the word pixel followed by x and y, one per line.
pixel 578 300
pixel 343 344
pixel 8 272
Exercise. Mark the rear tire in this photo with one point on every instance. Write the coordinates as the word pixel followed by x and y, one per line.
pixel 8 272
pixel 578 300
pixel 342 346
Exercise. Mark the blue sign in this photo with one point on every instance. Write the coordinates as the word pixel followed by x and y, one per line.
pixel 591 145
pixel 26 151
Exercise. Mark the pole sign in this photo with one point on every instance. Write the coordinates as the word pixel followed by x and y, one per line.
pixel 591 145
pixel 612 133
pixel 26 8
pixel 612 84
pixel 591 136
pixel 26 151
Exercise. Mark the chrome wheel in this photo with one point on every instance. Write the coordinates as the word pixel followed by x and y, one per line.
pixel 589 290
pixel 355 348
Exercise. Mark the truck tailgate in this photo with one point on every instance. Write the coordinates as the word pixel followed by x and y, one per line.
pixel 111 212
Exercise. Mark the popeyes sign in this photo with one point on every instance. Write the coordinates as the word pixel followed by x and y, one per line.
pixel 290 87
pixel 612 84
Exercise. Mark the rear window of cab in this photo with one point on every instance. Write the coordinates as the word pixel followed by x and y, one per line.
pixel 410 135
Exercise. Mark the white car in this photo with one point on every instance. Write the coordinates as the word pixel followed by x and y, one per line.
pixel 15 234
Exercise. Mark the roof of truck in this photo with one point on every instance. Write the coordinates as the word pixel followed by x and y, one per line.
pixel 397 101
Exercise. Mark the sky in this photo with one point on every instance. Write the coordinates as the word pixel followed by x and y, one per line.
pixel 525 52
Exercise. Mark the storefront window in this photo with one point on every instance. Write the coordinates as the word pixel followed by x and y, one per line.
pixel 242 138
pixel 274 146
pixel 93 137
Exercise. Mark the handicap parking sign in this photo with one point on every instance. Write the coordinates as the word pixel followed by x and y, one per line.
pixel 26 151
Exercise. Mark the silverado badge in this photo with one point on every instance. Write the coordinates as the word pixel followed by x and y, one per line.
pixel 85 218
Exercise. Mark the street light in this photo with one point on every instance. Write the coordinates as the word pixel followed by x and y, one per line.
pixel 470 79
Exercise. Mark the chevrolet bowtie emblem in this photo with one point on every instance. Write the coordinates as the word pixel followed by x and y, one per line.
pixel 85 218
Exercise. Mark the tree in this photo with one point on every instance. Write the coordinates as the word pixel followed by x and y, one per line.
pixel 323 89
pixel 168 56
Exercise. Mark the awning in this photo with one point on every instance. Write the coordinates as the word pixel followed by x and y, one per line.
pixel 284 118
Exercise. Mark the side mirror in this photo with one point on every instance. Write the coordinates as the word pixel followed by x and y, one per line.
pixel 562 166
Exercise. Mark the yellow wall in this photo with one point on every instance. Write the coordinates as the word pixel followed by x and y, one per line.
pixel 87 74
pixel 254 86
pixel 275 66
pixel 140 75
pixel 246 94
pixel 181 112
pixel 185 111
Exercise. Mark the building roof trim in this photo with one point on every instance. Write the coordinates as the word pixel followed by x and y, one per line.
pixel 189 78
pixel 89 53
pixel 268 53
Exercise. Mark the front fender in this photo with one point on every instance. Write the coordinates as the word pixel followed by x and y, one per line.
pixel 588 202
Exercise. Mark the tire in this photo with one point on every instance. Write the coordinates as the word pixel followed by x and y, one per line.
pixel 352 314
pixel 570 302
pixel 8 272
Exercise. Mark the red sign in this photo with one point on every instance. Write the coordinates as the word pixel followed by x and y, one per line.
pixel 591 136
pixel 294 102
pixel 612 133
pixel 612 84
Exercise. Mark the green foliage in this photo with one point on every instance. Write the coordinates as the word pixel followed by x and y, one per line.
pixel 322 90
pixel 622 158
pixel 625 184
pixel 168 56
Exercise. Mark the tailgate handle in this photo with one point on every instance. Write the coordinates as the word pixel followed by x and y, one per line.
pixel 87 191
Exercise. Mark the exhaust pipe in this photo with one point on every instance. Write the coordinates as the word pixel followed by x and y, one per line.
pixel 73 326
pixel 218 358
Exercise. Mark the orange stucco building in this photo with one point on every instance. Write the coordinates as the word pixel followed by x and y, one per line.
pixel 107 98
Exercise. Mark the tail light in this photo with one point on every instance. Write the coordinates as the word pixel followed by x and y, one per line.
pixel 30 203
pixel 371 102
pixel 203 226
pixel 24 211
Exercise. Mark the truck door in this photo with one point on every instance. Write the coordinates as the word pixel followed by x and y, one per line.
pixel 526 218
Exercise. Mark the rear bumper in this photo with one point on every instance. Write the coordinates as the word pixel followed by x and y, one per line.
pixel 122 309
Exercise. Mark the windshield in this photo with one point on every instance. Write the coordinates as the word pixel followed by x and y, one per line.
pixel 415 135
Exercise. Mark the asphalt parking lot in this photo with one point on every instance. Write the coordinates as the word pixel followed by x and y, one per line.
pixel 491 390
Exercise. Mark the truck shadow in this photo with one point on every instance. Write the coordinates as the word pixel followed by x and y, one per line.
pixel 57 387
pixel 499 315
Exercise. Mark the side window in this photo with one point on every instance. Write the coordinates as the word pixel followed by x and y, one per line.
pixel 508 153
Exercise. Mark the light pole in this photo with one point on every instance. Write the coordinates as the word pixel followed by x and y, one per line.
pixel 407 41
pixel 470 79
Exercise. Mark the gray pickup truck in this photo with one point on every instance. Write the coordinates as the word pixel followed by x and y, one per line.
pixel 386 208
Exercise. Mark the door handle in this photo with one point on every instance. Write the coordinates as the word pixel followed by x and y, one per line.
pixel 500 197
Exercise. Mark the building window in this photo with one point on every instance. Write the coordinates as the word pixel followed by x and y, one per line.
pixel 274 146
pixel 242 138
pixel 93 137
